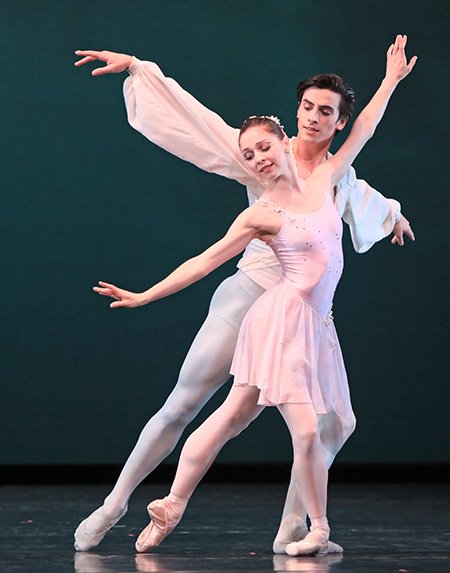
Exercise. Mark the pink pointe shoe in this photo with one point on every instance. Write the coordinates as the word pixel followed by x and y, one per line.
pixel 315 543
pixel 163 521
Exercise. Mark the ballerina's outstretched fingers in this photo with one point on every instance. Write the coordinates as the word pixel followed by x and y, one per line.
pixel 122 297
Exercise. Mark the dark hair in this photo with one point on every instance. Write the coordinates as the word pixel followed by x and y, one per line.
pixel 335 84
pixel 271 123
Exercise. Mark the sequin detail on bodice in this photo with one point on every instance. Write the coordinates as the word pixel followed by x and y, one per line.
pixel 309 248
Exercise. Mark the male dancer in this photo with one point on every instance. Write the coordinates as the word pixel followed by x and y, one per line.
pixel 169 117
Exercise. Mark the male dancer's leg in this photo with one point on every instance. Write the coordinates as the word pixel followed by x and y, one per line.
pixel 205 369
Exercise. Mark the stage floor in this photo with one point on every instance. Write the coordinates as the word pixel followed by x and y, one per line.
pixel 230 527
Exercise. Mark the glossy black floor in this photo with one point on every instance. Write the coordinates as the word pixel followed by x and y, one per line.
pixel 383 528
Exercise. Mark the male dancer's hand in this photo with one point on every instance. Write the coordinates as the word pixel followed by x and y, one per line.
pixel 401 228
pixel 115 63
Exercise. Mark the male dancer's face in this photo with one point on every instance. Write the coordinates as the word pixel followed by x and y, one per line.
pixel 318 116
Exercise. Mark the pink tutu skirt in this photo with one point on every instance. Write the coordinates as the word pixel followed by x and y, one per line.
pixel 291 353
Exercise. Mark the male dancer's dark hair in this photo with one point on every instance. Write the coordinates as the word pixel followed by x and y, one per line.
pixel 334 83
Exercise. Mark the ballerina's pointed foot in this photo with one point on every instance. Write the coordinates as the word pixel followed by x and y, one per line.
pixel 315 543
pixel 93 529
pixel 163 522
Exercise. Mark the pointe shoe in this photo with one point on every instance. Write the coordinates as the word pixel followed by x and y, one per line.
pixel 163 521
pixel 85 540
pixel 315 543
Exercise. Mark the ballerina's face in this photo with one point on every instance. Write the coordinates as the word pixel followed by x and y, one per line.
pixel 264 152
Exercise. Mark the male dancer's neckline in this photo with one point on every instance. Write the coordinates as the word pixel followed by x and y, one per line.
pixel 307 162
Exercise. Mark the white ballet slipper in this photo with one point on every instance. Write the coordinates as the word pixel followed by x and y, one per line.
pixel 163 522
pixel 85 539
pixel 315 543
pixel 334 548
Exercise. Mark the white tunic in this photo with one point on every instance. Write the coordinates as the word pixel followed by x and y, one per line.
pixel 167 115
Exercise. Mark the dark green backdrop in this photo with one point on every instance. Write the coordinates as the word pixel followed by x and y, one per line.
pixel 84 197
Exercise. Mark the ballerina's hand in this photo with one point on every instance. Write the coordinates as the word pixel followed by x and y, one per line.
pixel 123 297
pixel 397 67
pixel 115 63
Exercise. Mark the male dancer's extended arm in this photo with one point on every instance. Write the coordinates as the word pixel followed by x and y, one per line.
pixel 160 109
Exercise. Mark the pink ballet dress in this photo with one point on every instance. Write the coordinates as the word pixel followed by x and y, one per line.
pixel 287 345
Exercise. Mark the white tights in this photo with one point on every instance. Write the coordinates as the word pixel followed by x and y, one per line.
pixel 204 370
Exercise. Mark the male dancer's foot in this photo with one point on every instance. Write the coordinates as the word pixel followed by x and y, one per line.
pixel 93 529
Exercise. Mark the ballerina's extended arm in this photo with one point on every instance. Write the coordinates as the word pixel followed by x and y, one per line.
pixel 249 225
